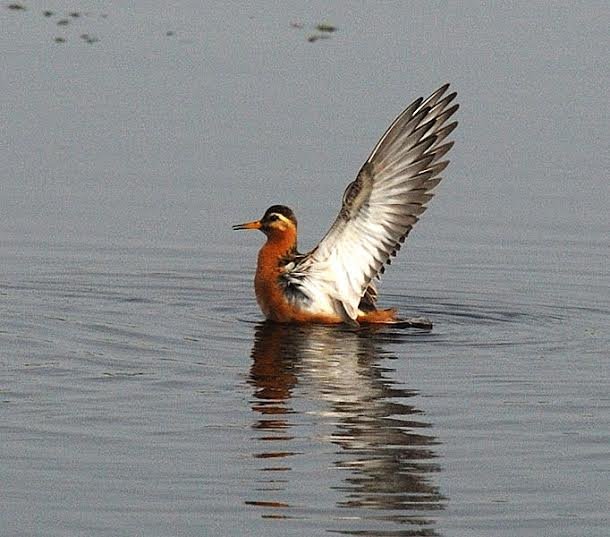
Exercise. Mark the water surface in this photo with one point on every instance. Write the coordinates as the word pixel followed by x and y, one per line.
pixel 140 391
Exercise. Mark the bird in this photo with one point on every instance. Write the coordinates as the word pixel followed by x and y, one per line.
pixel 335 283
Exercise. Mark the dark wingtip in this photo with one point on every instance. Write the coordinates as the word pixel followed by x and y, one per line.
pixel 436 95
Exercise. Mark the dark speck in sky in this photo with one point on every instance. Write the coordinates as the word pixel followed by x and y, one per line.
pixel 314 37
pixel 89 38
pixel 323 27
pixel 16 7
pixel 323 30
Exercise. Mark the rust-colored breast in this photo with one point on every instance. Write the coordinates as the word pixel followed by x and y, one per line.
pixel 269 293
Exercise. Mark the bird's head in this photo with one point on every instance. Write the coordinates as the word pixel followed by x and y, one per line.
pixel 278 220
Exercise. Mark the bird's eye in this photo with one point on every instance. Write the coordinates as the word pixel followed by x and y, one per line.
pixel 274 217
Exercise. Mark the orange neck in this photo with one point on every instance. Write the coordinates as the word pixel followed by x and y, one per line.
pixel 266 283
pixel 281 242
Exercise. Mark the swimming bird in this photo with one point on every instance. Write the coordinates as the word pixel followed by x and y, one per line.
pixel 335 282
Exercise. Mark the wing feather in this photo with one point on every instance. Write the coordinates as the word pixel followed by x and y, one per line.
pixel 381 206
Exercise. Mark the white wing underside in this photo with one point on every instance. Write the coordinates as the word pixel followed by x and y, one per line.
pixel 379 209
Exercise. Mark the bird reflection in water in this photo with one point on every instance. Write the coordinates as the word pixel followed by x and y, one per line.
pixel 380 480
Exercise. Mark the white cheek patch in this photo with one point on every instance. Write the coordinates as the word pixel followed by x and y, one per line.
pixel 282 222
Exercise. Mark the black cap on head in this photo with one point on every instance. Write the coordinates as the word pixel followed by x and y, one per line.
pixel 280 209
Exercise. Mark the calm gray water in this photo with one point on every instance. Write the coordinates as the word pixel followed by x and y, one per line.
pixel 140 391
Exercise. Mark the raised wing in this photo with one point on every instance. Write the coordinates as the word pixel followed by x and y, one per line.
pixel 381 206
